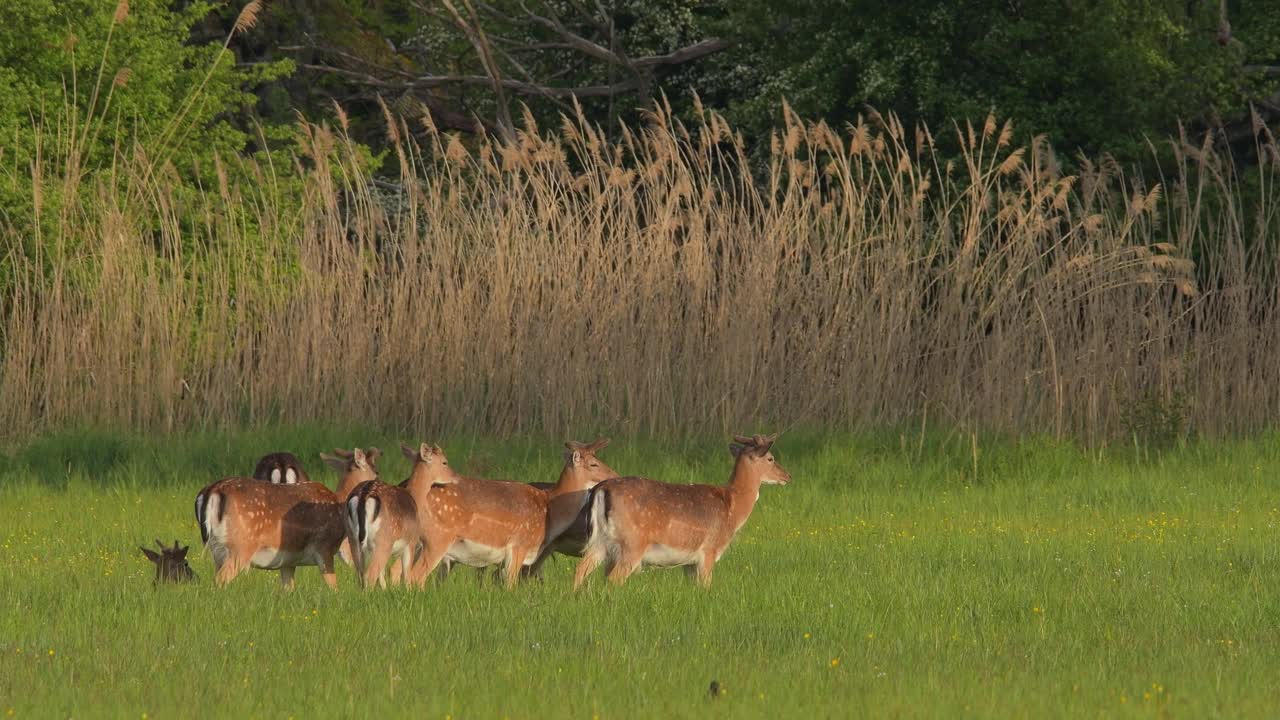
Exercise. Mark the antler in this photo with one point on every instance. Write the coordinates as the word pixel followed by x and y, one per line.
pixel 598 445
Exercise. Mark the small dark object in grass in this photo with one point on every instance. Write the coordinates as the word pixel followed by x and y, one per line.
pixel 171 563
pixel 714 689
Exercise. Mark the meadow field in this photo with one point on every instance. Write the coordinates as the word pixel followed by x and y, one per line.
pixel 898 575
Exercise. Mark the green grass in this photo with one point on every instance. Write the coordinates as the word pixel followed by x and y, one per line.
pixel 887 579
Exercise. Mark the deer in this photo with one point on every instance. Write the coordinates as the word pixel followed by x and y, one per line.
pixel 638 522
pixel 383 525
pixel 473 521
pixel 356 467
pixel 280 468
pixel 171 563
pixel 249 523
pixel 568 516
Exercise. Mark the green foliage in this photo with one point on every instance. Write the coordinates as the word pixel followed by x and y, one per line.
pixel 88 85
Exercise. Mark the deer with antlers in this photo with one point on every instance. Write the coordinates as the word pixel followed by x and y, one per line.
pixel 473 521
pixel 637 521
pixel 171 563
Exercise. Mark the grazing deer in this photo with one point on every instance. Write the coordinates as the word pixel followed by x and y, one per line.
pixel 471 521
pixel 280 468
pixel 249 523
pixel 357 467
pixel 637 521
pixel 383 525
pixel 568 517
pixel 171 563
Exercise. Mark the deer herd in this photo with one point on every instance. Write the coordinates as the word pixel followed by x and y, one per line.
pixel 280 519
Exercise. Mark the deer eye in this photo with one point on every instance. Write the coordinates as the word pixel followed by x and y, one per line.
pixel 594 464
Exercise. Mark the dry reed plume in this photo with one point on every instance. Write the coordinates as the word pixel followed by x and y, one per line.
pixel 649 283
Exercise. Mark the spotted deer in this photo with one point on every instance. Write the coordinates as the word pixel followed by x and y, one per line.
pixel 383 526
pixel 568 517
pixel 171 563
pixel 249 523
pixel 637 521
pixel 356 467
pixel 472 521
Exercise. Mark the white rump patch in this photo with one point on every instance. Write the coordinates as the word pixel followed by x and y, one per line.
pixel 663 556
pixel 291 477
pixel 275 476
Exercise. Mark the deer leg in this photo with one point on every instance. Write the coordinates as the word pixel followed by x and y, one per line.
pixel 591 559
pixel 373 571
pixel 406 564
pixel 326 571
pixel 286 577
pixel 515 564
pixel 704 568
pixel 430 558
pixel 227 572
pixel 345 552
pixel 628 562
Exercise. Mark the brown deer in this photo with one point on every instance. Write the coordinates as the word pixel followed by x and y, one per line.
pixel 383 525
pixel 472 521
pixel 171 563
pixel 637 521
pixel 280 468
pixel 568 516
pixel 249 523
pixel 357 467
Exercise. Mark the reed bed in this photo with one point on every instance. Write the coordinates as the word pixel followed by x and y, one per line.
pixel 650 280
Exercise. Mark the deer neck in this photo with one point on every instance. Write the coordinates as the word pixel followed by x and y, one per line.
pixel 351 480
pixel 569 482
pixel 419 483
pixel 743 491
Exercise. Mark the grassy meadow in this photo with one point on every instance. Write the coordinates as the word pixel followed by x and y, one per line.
pixel 898 575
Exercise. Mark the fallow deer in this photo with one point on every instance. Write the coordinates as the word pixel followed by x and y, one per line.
pixel 637 521
pixel 171 563
pixel 280 468
pixel 249 523
pixel 357 467
pixel 472 521
pixel 568 517
pixel 383 525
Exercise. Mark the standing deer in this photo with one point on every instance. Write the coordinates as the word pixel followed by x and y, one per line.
pixel 568 516
pixel 171 563
pixel 383 525
pixel 249 523
pixel 280 468
pixel 637 521
pixel 357 467
pixel 472 521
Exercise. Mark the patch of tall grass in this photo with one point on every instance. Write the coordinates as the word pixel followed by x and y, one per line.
pixel 648 280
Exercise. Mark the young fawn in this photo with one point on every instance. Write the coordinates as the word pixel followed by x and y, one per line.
pixel 471 521
pixel 636 521
pixel 249 523
pixel 357 467
pixel 568 517
pixel 171 563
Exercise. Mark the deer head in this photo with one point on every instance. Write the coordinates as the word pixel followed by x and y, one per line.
pixel 754 457
pixel 171 563
pixel 581 466
pixel 430 464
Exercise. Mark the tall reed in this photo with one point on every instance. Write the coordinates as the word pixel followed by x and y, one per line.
pixel 649 283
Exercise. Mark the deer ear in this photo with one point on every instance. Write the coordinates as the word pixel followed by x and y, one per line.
pixel 336 463
pixel 735 449
pixel 599 444
pixel 576 457
pixel 425 452
pixel 408 452
pixel 372 454
pixel 358 457
pixel 152 555
pixel 437 450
